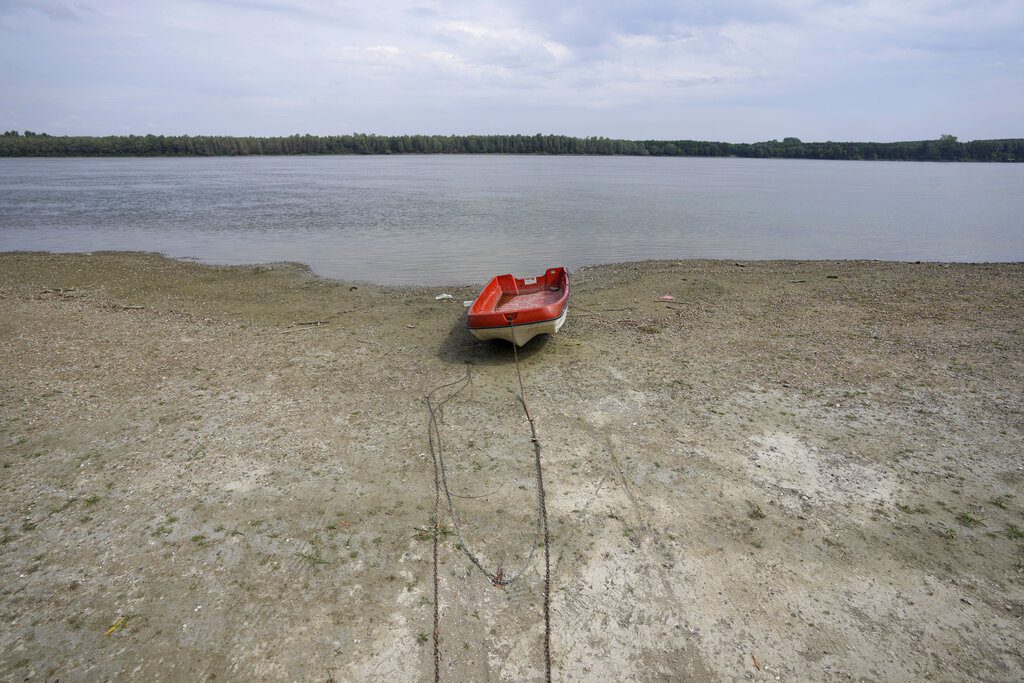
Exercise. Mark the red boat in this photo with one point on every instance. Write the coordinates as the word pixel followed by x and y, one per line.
pixel 517 310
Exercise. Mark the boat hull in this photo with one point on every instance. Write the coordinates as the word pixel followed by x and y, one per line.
pixel 518 309
pixel 520 334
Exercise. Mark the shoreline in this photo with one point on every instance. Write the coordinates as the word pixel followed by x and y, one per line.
pixel 300 267
pixel 797 469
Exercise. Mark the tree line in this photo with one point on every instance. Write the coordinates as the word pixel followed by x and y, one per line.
pixel 946 148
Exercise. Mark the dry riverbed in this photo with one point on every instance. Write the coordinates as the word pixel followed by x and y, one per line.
pixel 792 470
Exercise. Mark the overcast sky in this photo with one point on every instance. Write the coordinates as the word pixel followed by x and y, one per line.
pixel 734 71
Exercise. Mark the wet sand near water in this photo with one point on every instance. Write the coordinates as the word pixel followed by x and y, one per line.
pixel 787 471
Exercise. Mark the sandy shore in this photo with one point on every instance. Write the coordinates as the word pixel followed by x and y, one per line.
pixel 793 470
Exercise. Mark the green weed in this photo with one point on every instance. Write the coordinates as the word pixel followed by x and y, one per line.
pixel 312 559
pixel 968 520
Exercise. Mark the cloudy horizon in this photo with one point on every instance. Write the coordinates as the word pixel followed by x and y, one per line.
pixel 858 70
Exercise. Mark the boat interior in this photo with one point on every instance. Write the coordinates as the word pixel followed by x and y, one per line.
pixel 532 292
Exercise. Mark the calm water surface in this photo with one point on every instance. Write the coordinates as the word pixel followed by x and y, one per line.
pixel 434 219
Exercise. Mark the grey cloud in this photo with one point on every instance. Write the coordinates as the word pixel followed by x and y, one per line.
pixel 276 66
pixel 52 9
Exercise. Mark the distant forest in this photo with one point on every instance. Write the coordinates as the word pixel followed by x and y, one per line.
pixel 946 148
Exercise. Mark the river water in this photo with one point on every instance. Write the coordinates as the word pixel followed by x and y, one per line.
pixel 460 219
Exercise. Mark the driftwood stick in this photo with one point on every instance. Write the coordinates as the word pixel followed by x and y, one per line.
pixel 301 329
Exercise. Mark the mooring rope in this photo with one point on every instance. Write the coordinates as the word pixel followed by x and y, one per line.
pixel 497 578
pixel 437 529
pixel 543 508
